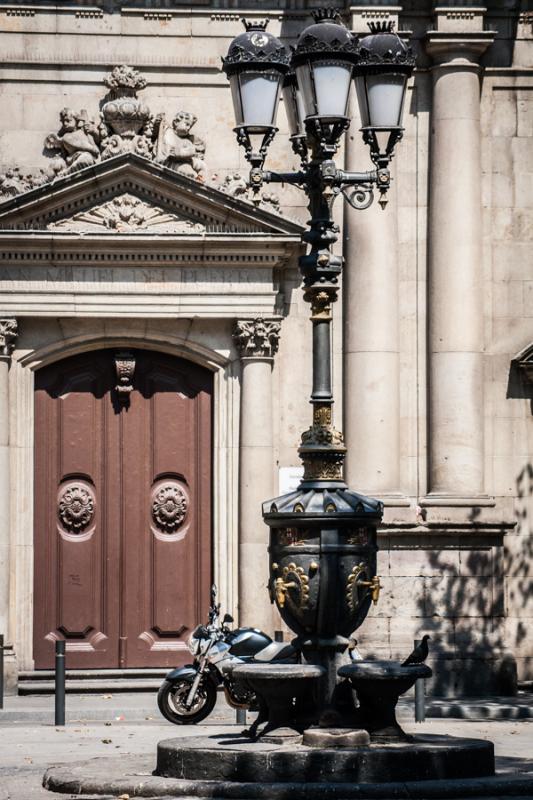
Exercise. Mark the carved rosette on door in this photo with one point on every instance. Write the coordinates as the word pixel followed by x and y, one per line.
pixel 169 509
pixel 76 509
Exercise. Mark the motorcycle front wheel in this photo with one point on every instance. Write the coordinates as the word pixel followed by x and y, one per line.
pixel 171 699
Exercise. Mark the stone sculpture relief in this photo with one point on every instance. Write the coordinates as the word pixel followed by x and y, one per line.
pixel 180 150
pixel 125 124
pixel 125 369
pixel 75 145
pixel 127 214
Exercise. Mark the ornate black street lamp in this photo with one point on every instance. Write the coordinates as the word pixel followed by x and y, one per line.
pixel 323 535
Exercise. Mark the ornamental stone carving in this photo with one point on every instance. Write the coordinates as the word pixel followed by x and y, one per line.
pixel 169 506
pixel 75 146
pixel 76 507
pixel 257 338
pixel 8 336
pixel 124 368
pixel 127 214
pixel 124 124
pixel 179 149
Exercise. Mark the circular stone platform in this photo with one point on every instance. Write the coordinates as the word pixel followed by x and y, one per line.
pixel 236 759
pixel 132 775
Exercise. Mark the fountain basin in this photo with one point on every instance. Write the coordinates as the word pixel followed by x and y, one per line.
pixel 379 685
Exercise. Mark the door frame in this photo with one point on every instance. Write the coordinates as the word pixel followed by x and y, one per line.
pixel 226 399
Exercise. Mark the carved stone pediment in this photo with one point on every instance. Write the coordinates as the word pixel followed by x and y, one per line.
pixel 130 194
pixel 126 214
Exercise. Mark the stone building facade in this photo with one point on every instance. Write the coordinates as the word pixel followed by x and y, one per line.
pixel 155 346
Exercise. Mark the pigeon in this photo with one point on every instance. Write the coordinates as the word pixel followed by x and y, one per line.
pixel 419 654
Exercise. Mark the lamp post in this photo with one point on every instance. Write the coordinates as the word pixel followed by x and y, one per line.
pixel 323 535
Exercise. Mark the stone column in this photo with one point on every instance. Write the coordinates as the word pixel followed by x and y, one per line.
pixel 8 337
pixel 371 322
pixel 455 311
pixel 371 342
pixel 257 341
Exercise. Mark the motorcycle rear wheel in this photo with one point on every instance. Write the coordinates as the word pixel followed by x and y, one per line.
pixel 171 701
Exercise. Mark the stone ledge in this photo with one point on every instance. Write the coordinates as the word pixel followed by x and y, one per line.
pixel 115 776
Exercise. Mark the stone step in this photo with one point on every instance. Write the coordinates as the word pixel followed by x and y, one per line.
pixel 87 686
pixel 92 681
pixel 93 674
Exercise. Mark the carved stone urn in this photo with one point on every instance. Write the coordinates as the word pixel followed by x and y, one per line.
pixel 124 113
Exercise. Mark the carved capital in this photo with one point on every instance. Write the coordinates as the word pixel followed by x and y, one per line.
pixel 8 336
pixel 257 338
pixel 455 49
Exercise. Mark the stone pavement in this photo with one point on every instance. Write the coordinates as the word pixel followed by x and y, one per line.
pixel 130 725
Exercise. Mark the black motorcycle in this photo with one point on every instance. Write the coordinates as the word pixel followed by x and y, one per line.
pixel 188 694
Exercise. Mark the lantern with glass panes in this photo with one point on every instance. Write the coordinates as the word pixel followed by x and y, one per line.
pixel 315 80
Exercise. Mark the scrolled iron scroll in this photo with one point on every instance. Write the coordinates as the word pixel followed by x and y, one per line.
pixel 359 198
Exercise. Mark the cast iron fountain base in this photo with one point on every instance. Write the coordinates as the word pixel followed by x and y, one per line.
pixel 379 685
pixel 287 694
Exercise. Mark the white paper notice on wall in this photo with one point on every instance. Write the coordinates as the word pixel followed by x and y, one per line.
pixel 289 478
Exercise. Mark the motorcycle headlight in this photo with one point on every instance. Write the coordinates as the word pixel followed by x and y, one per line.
pixel 193 644
pixel 198 641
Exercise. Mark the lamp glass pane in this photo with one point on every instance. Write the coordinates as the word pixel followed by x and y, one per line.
pixel 362 100
pixel 259 94
pixel 332 86
pixel 385 93
pixel 307 89
pixel 236 97
pixel 289 98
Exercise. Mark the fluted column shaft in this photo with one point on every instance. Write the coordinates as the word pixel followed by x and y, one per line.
pixel 257 341
pixel 371 340
pixel 455 312
pixel 8 335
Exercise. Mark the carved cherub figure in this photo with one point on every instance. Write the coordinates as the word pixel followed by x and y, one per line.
pixel 75 140
pixel 180 150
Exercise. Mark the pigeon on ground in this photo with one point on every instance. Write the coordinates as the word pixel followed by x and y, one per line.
pixel 419 654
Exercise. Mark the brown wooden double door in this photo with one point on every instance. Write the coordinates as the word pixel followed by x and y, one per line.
pixel 122 508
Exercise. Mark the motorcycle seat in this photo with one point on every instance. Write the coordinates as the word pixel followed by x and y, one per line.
pixel 275 651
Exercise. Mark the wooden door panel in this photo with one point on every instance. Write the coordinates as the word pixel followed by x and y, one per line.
pixel 172 586
pixel 73 591
pixel 123 510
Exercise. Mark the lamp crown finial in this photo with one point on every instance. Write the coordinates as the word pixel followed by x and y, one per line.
pixel 324 14
pixel 255 24
pixel 381 26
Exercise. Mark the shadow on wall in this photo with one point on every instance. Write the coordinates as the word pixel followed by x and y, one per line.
pixel 480 620
pixel 518 575
pixel 502 16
